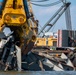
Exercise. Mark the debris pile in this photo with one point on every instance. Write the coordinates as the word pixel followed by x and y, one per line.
pixel 38 59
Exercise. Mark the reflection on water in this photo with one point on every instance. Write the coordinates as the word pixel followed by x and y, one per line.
pixel 39 73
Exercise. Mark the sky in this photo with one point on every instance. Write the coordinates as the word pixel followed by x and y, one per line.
pixel 43 14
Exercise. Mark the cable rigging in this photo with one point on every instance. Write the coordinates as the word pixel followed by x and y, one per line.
pixel 46 5
pixel 39 0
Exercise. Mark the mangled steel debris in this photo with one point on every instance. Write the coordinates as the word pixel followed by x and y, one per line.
pixel 36 60
pixel 10 54
pixel 58 62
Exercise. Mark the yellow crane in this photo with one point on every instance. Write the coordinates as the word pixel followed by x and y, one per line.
pixel 14 16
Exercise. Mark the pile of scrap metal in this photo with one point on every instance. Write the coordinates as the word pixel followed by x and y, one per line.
pixel 36 60
pixel 55 60
pixel 10 53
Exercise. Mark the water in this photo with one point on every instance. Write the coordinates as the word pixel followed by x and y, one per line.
pixel 40 73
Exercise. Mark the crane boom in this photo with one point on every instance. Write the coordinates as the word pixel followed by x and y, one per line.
pixel 57 15
pixel 68 19
pixel 51 19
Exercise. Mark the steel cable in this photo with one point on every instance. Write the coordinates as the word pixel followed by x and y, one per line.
pixel 39 0
pixel 46 5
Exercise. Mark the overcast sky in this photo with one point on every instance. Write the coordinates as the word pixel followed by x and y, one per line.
pixel 43 14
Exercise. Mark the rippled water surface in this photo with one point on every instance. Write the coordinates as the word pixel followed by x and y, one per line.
pixel 39 73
